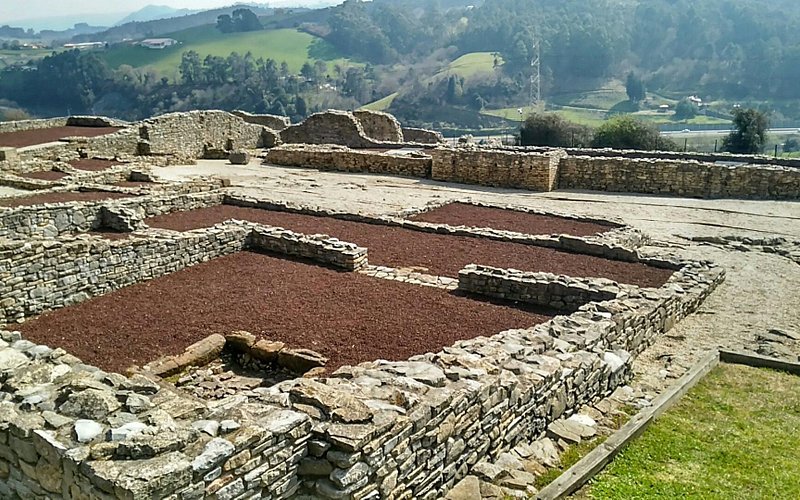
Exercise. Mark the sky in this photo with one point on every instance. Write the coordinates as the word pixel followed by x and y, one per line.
pixel 12 11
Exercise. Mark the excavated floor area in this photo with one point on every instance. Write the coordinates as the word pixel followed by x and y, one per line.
pixel 44 135
pixel 465 214
pixel 437 254
pixel 348 317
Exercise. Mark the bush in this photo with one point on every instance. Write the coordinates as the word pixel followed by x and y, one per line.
pixel 749 134
pixel 626 132
pixel 550 129
pixel 685 109
pixel 791 145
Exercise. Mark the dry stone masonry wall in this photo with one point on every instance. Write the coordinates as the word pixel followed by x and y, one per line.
pixel 378 126
pixel 422 136
pixel 330 127
pixel 68 430
pixel 683 178
pixel 273 122
pixel 343 159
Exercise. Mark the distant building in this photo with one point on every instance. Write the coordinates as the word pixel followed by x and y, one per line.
pixel 158 43
pixel 85 45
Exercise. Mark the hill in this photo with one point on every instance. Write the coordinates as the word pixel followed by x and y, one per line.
pixel 161 27
pixel 153 13
pixel 289 45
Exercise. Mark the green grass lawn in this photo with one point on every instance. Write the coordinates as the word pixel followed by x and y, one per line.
pixel 472 64
pixel 290 45
pixel 734 436
pixel 380 104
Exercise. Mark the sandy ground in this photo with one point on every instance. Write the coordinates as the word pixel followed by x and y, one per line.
pixel 762 291
pixel 6 191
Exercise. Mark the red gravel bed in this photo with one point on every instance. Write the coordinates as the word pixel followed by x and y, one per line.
pixel 465 214
pixel 110 235
pixel 441 255
pixel 92 165
pixel 38 199
pixel 49 175
pixel 348 317
pixel 45 135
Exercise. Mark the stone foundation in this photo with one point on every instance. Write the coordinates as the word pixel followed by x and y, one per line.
pixel 422 136
pixel 381 127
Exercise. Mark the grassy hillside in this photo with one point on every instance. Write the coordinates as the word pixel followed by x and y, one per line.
pixel 467 66
pixel 288 45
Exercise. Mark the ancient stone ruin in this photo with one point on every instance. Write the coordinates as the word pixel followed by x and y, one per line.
pixel 174 337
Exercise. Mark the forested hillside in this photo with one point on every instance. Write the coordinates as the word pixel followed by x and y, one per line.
pixel 403 53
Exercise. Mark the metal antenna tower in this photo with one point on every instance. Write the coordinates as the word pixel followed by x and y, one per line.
pixel 536 76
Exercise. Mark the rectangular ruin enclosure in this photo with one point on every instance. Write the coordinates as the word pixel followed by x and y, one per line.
pixel 436 254
pixel 93 164
pixel 33 137
pixel 467 214
pixel 61 197
pixel 347 317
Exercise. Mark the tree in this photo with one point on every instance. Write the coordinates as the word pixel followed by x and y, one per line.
pixel 685 109
pixel 225 24
pixel 300 106
pixel 626 132
pixel 550 129
pixel 749 134
pixel 245 20
pixel 634 87
pixel 791 145
pixel 191 68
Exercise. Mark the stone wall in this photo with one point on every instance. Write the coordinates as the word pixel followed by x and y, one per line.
pixel 682 178
pixel 378 126
pixel 561 293
pixel 534 171
pixel 273 122
pixel 422 136
pixel 38 275
pixel 412 429
pixel 329 127
pixel 19 126
pixel 198 134
pixel 71 431
pixel 343 159
pixel 672 155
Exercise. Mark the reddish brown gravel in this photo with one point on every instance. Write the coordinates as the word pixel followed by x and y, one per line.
pixel 348 317
pixel 92 165
pixel 49 175
pixel 45 135
pixel 38 199
pixel 441 255
pixel 465 214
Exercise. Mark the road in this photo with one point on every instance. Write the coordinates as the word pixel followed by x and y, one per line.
pixel 726 132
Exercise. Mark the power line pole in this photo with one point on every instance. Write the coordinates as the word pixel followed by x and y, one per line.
pixel 536 77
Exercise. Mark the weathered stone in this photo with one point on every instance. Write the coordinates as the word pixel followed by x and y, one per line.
pixel 345 478
pixel 11 359
pixel 127 431
pixel 87 430
pixel 265 350
pixel 314 467
pixel 300 360
pixel 215 453
pixel 468 488
pixel 240 341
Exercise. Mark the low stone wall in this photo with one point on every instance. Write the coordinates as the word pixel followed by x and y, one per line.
pixel 343 159
pixel 672 155
pixel 273 122
pixel 561 293
pixel 534 171
pixel 378 126
pixel 21 125
pixel 198 134
pixel 682 178
pixel 323 249
pixel 412 429
pixel 422 136
pixel 87 434
pixel 39 275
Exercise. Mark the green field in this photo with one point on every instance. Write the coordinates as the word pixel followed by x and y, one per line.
pixel 467 66
pixel 471 65
pixel 289 45
pixel 733 436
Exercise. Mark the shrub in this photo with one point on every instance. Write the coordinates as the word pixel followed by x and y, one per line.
pixel 626 132
pixel 550 129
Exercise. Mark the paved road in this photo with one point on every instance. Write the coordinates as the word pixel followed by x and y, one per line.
pixel 725 132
